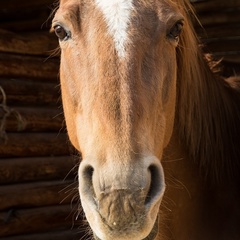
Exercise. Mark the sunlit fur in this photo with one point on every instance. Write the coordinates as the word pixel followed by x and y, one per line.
pixel 151 96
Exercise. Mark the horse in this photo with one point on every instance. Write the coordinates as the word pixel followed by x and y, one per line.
pixel 156 124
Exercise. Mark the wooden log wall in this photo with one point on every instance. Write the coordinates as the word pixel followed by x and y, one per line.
pixel 38 184
pixel 220 31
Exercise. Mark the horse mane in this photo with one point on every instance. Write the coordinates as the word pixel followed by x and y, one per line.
pixel 208 107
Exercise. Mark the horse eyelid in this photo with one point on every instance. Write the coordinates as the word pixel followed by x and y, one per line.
pixel 175 31
pixel 66 33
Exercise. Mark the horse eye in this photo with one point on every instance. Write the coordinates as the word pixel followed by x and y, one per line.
pixel 61 33
pixel 176 30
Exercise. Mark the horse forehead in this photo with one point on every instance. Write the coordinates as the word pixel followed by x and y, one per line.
pixel 117 14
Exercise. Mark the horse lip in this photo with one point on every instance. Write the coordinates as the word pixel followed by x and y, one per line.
pixel 152 235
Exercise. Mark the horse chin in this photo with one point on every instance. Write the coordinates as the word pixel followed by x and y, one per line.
pixel 152 235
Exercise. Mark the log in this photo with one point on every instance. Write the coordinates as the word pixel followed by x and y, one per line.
pixel 231 68
pixel 73 234
pixel 19 16
pixel 30 92
pixel 37 194
pixel 228 57
pixel 220 18
pixel 14 65
pixel 21 170
pixel 219 31
pixel 14 9
pixel 34 220
pixel 220 5
pixel 33 144
pixel 7 5
pixel 223 45
pixel 37 23
pixel 34 120
pixel 34 43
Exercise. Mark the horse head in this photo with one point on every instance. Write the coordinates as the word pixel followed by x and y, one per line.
pixel 118 78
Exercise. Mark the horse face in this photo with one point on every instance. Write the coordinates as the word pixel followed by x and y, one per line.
pixel 118 80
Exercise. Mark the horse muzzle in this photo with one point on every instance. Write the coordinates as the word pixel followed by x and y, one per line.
pixel 122 204
pixel 152 235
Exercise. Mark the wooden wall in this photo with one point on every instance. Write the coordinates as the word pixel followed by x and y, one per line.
pixel 38 187
pixel 37 173
pixel 220 31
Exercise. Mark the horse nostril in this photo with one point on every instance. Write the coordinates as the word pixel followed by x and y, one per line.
pixel 87 178
pixel 88 174
pixel 156 185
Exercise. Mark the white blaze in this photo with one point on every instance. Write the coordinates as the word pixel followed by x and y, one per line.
pixel 117 15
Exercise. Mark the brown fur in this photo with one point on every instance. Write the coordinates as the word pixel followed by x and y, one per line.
pixel 133 107
pixel 208 110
